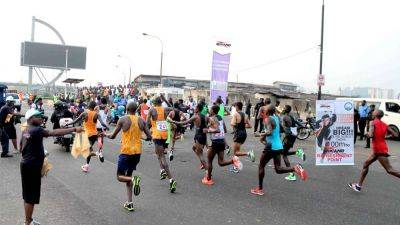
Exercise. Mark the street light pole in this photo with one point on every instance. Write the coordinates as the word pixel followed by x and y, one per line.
pixel 321 47
pixel 162 53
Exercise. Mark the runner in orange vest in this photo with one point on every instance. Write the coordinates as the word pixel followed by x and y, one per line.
pixel 131 148
pixel 90 118
pixel 157 120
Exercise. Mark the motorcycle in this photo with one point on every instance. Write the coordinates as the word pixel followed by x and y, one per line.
pixel 66 140
pixel 308 128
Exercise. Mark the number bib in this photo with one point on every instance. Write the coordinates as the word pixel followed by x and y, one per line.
pixel 146 112
pixel 161 125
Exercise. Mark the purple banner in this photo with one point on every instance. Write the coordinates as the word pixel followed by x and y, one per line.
pixel 219 76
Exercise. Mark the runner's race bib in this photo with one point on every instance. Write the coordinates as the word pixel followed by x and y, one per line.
pixel 294 131
pixel 161 125
pixel 146 112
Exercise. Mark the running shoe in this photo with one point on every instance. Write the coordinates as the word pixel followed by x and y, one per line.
pixel 101 157
pixel 301 172
pixel 129 206
pixel 355 187
pixel 85 168
pixel 300 153
pixel 207 181
pixel 163 175
pixel 136 185
pixel 171 155
pixel 233 169
pixel 237 163
pixel 291 177
pixel 33 222
pixel 257 191
pixel 172 186
pixel 251 156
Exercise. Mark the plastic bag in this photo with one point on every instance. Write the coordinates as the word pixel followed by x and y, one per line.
pixel 46 167
pixel 81 145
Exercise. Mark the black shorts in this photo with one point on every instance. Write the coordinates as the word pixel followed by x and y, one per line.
pixel 92 140
pixel 127 164
pixel 201 139
pixel 161 142
pixel 11 132
pixel 31 177
pixel 240 136
pixel 377 154
pixel 218 146
pixel 288 141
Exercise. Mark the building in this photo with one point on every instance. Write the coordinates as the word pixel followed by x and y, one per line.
pixel 286 86
pixel 368 92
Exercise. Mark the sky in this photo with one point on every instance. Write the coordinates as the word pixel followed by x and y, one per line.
pixel 361 43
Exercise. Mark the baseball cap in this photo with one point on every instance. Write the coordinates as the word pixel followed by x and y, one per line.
pixel 32 112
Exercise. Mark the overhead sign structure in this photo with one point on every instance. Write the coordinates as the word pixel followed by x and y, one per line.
pixel 52 56
pixel 335 132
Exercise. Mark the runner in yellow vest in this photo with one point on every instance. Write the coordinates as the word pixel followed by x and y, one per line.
pixel 132 127
pixel 157 119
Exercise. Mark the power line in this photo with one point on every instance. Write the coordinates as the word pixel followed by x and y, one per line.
pixel 277 60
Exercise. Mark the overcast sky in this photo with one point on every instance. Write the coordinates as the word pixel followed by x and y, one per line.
pixel 362 39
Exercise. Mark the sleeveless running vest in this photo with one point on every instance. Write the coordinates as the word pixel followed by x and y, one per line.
pixel 159 126
pixel 275 137
pixel 221 134
pixel 89 125
pixel 131 142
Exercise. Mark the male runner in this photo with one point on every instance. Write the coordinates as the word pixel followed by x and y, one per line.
pixel 131 148
pixel 217 129
pixel 239 123
pixel 176 129
pixel 90 118
pixel 102 111
pixel 156 119
pixel 380 151
pixel 200 138
pixel 290 131
pixel 273 150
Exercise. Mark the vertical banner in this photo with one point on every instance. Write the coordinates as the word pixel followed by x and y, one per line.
pixel 219 76
pixel 335 132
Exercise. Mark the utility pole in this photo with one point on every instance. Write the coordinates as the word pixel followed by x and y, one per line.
pixel 321 48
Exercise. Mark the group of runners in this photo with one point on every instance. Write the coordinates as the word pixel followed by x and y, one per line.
pixel 162 125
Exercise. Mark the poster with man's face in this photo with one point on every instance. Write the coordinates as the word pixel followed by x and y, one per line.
pixel 334 132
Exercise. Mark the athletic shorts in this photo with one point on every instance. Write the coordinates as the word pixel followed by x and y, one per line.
pixel 161 142
pixel 201 139
pixel 92 140
pixel 240 136
pixel 218 146
pixel 31 177
pixel 288 141
pixel 381 154
pixel 127 164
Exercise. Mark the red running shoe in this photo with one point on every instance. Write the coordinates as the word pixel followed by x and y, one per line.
pixel 301 172
pixel 207 181
pixel 257 191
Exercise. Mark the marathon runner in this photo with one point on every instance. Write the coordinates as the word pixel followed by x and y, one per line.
pixel 380 150
pixel 273 150
pixel 177 130
pixel 156 119
pixel 132 127
pixel 217 129
pixel 200 138
pixel 290 131
pixel 90 118
pixel 102 110
pixel 239 123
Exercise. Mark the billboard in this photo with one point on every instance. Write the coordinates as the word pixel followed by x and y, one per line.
pixel 219 76
pixel 335 132
pixel 52 56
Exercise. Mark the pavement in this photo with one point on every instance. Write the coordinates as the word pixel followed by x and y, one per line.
pixel 72 197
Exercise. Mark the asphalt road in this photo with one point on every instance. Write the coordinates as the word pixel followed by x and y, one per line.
pixel 72 197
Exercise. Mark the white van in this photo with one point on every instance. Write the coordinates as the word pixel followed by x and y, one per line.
pixel 391 108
